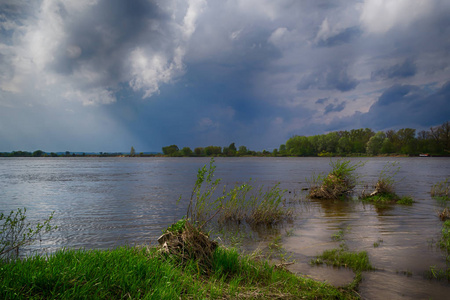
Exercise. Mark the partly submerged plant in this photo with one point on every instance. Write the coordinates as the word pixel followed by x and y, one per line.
pixel 384 192
pixel 16 232
pixel 338 183
pixel 341 257
pixel 268 207
pixel 441 189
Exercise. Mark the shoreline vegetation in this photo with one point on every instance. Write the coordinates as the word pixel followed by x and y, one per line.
pixel 363 142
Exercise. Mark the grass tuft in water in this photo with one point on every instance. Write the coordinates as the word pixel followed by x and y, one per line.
pixel 338 183
pixel 384 192
pixel 441 190
pixel 341 257
pixel 444 244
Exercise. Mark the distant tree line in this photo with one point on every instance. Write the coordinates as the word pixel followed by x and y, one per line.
pixel 356 142
pixel 231 150
pixel 405 141
pixel 40 153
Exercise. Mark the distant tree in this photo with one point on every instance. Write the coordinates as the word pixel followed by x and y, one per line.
pixel 38 153
pixel 387 146
pixel 407 140
pixel 186 151
pixel 213 150
pixel 242 150
pixel 170 150
pixel 199 151
pixel 441 137
pixel 282 150
pixel 301 146
pixel 375 143
pixel 67 153
pixel 132 151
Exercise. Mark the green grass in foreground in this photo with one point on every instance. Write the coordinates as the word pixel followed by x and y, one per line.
pixel 145 273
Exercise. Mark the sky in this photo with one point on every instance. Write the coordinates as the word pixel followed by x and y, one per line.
pixel 105 75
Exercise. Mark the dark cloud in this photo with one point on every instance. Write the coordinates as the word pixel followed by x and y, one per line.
pixel 409 106
pixel 102 37
pixel 346 36
pixel 336 78
pixel 404 70
pixel 334 107
pixel 321 100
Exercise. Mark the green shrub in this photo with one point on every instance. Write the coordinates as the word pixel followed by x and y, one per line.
pixel 16 232
pixel 338 183
pixel 441 189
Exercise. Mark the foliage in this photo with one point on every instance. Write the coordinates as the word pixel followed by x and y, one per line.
pixel 132 151
pixel 170 150
pixel 444 244
pixel 16 232
pixel 235 205
pixel 340 181
pixel 201 204
pixel 441 189
pixel 268 207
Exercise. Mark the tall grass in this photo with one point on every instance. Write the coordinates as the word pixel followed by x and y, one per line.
pixel 268 207
pixel 240 203
pixel 339 182
pixel 441 189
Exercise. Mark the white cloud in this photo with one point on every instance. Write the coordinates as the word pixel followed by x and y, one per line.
pixel 379 16
pixel 55 49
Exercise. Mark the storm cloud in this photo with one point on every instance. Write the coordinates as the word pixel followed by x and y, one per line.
pixel 104 75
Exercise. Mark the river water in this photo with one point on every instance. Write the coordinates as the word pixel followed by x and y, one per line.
pixel 107 202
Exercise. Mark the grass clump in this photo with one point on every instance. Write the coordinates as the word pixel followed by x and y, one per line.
pixel 341 257
pixel 441 190
pixel 384 192
pixel 338 183
pixel 268 208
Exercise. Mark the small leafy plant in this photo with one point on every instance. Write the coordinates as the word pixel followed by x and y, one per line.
pixel 16 232
pixel 441 189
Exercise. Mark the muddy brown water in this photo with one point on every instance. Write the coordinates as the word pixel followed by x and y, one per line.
pixel 106 202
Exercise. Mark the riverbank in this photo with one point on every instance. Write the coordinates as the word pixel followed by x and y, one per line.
pixel 145 273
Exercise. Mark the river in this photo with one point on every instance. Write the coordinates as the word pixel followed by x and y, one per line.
pixel 107 202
